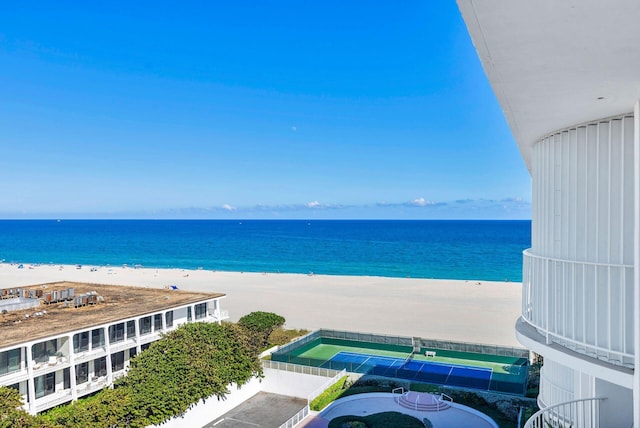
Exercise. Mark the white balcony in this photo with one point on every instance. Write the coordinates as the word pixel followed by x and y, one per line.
pixel 122 345
pixel 14 376
pixel 52 400
pixel 583 413
pixel 51 365
pixel 221 315
pixel 582 306
pixel 94 384
pixel 92 354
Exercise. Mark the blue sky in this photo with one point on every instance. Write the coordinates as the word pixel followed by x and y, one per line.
pixel 250 109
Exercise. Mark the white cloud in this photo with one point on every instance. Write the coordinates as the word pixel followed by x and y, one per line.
pixel 228 207
pixel 313 204
pixel 420 202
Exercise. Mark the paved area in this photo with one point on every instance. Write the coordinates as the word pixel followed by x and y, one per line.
pixel 367 404
pixel 263 410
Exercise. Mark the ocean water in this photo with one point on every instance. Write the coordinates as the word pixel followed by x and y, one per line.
pixel 460 249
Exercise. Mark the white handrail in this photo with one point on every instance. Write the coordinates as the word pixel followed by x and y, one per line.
pixel 297 418
pixel 394 392
pixel 584 412
pixel 440 401
pixel 560 300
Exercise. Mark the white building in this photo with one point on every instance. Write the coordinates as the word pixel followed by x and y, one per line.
pixel 567 75
pixel 55 353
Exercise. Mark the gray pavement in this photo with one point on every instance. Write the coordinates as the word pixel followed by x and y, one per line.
pixel 263 410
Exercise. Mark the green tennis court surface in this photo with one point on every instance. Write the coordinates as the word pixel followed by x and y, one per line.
pixel 497 373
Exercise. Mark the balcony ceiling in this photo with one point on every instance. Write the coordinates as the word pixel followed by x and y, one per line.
pixel 553 64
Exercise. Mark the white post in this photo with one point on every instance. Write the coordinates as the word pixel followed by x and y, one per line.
pixel 107 347
pixel 72 369
pixel 137 328
pixel 636 264
pixel 31 390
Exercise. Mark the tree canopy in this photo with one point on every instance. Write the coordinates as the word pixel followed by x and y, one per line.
pixel 192 363
pixel 260 325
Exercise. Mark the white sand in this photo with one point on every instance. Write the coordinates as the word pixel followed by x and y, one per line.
pixel 472 311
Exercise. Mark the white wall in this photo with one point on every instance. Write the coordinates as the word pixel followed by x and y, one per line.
pixel 583 193
pixel 291 384
pixel 203 413
pixel 616 410
pixel 557 383
pixel 275 381
pixel 581 262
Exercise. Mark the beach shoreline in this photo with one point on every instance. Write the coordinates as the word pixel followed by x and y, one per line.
pixel 459 310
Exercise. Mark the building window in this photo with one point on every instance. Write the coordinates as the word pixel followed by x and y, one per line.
pixel 168 317
pixel 201 310
pixel 157 322
pixel 45 384
pixel 116 333
pixel 82 373
pixel 81 342
pixel 144 347
pixel 131 329
pixel 100 367
pixel 43 350
pixel 132 353
pixel 145 325
pixel 117 361
pixel 189 316
pixel 10 361
pixel 97 338
pixel 66 378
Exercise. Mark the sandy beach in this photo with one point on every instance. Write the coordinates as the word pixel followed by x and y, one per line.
pixel 473 311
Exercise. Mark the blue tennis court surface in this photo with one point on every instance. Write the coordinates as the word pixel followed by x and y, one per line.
pixel 423 371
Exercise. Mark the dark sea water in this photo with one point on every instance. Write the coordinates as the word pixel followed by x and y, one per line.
pixel 452 249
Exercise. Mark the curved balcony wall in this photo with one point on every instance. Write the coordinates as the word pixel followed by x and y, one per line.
pixel 582 192
pixel 578 275
pixel 582 306
pixel 557 384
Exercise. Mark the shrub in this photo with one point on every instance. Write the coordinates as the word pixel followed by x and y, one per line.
pixel 329 395
pixel 11 413
pixel 191 363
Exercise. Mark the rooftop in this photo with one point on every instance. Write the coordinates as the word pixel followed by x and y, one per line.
pixel 120 302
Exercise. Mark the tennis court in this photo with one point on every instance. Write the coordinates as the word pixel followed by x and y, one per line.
pixel 441 363
pixel 423 371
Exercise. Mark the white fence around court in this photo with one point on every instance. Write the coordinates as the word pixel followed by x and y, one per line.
pixel 297 368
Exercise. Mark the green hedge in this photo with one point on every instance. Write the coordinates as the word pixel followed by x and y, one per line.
pixel 192 363
pixel 329 395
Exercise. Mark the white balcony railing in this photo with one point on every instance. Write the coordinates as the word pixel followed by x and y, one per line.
pixel 584 413
pixel 52 400
pixel 221 314
pixel 14 376
pixel 583 306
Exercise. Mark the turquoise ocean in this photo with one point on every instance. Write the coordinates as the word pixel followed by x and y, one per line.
pixel 449 249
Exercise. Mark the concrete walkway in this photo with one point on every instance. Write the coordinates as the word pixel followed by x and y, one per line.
pixel 457 416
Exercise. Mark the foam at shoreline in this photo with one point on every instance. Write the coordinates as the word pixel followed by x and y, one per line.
pixel 472 311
